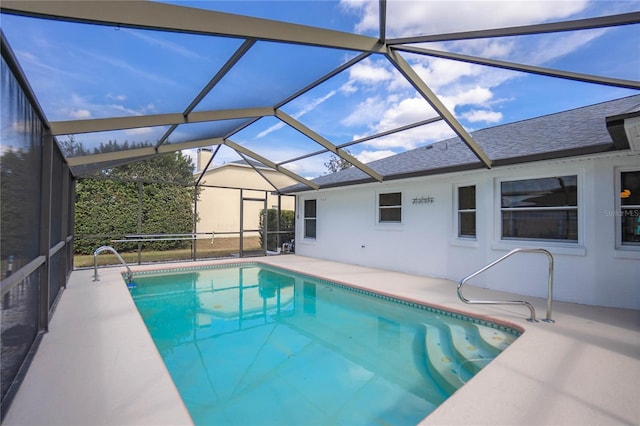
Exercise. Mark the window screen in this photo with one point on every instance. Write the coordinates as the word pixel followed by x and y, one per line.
pixel 467 211
pixel 310 218
pixel 390 207
pixel 540 209
pixel 630 207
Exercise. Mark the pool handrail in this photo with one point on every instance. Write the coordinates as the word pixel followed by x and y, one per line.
pixel 112 250
pixel 532 310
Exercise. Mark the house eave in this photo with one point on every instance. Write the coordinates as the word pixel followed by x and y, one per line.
pixel 575 152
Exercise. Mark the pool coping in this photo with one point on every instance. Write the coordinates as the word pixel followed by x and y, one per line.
pixel 589 371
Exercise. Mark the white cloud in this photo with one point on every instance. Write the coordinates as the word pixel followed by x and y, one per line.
pixel 271 129
pixel 491 48
pixel 370 72
pixel 130 70
pixel 164 44
pixel 365 112
pixel 79 113
pixel 313 104
pixel 438 73
pixel 551 48
pixel 474 96
pixel 411 18
pixel 482 115
pixel 119 98
pixel 413 138
pixel 34 62
pixel 407 111
pixel 348 88
pixel 79 107
pixel 127 110
pixel 139 131
pixel 369 156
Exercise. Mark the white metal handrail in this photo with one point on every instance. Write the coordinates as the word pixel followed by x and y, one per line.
pixel 515 302
pixel 112 250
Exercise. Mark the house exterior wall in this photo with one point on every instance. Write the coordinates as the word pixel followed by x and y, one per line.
pixel 592 271
pixel 219 208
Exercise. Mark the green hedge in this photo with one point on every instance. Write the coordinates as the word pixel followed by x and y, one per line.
pixel 109 210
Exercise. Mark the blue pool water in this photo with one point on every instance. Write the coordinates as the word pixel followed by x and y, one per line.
pixel 249 344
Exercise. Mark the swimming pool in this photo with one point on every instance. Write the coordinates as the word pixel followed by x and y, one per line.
pixel 251 344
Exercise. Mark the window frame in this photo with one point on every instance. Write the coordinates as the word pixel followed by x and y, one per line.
pixel 541 242
pixel 459 211
pixel 387 223
pixel 620 245
pixel 306 219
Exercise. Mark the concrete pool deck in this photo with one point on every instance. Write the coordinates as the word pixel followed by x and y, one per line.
pixel 97 365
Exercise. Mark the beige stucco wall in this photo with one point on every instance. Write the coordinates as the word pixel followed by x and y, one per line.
pixel 219 208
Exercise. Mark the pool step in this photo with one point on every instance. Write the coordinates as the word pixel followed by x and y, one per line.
pixel 495 340
pixel 441 361
pixel 470 349
pixel 457 351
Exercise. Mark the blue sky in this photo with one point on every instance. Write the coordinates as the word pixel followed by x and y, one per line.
pixel 83 71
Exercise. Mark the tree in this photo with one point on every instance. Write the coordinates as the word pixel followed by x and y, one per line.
pixel 107 203
pixel 335 163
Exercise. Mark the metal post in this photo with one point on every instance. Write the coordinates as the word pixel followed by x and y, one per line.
pixel 279 219
pixel 195 222
pixel 241 224
pixel 266 224
pixel 64 226
pixel 45 229
pixel 139 221
pixel 549 288
pixel 72 231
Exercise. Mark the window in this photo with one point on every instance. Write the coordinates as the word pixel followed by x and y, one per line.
pixel 390 207
pixel 540 209
pixel 467 211
pixel 309 218
pixel 629 208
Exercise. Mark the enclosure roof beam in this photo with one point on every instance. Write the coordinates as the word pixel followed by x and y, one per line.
pixel 269 163
pixel 237 55
pixel 405 69
pixel 328 145
pixel 119 123
pixel 551 27
pixel 549 72
pixel 367 138
pixel 258 171
pixel 382 15
pixel 206 168
pixel 324 78
pixel 140 152
pixel 167 17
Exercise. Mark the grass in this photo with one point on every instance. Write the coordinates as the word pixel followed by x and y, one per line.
pixel 205 249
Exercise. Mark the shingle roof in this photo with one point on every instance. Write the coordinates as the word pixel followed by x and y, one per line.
pixel 248 163
pixel 575 132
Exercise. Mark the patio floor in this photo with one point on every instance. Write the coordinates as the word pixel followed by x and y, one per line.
pixel 98 365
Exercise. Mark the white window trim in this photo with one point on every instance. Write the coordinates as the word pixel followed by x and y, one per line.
pixel 389 225
pixel 304 221
pixel 556 247
pixel 462 240
pixel 623 250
